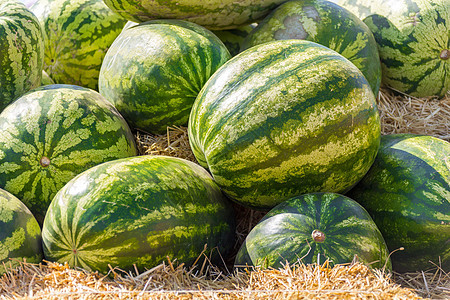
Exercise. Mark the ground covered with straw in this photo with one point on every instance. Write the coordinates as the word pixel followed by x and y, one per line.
pixel 399 114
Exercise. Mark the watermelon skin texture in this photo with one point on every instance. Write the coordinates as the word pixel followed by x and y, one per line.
pixel 21 51
pixel 212 14
pixel 407 193
pixel 153 71
pixel 138 211
pixel 234 38
pixel 413 38
pixel 20 234
pixel 313 228
pixel 268 128
pixel 77 35
pixel 53 133
pixel 327 24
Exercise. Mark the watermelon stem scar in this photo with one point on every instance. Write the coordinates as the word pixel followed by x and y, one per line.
pixel 318 236
pixel 44 161
pixel 445 54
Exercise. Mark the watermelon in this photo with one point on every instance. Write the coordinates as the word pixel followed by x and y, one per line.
pixel 51 134
pixel 407 193
pixel 413 38
pixel 46 79
pixel 285 118
pixel 234 38
pixel 325 23
pixel 153 71
pixel 136 212
pixel 77 35
pixel 20 234
pixel 313 228
pixel 21 51
pixel 213 14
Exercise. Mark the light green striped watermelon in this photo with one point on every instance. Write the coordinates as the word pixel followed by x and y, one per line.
pixel 407 193
pixel 77 35
pixel 153 71
pixel 21 51
pixel 20 234
pixel 413 38
pixel 233 38
pixel 213 14
pixel 282 119
pixel 137 212
pixel 53 133
pixel 327 24
pixel 313 228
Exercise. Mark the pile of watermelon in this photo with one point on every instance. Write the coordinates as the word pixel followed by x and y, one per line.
pixel 280 102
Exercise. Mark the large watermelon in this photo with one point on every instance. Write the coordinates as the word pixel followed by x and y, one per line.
pixel 312 228
pixel 51 134
pixel 137 212
pixel 282 119
pixel 413 38
pixel 325 23
pixel 21 51
pixel 77 35
pixel 407 193
pixel 153 71
pixel 213 14
pixel 20 234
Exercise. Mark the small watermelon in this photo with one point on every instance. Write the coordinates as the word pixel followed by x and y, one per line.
pixel 20 234
pixel 312 228
pixel 137 212
pixel 407 193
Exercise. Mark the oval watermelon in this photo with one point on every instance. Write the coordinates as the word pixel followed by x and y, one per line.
pixel 327 24
pixel 407 193
pixel 21 51
pixel 136 212
pixel 77 35
pixel 282 119
pixel 53 133
pixel 20 234
pixel 153 71
pixel 312 228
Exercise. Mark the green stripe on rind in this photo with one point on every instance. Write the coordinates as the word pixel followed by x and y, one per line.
pixel 327 24
pixel 21 51
pixel 213 14
pixel 139 211
pixel 74 127
pixel 411 35
pixel 285 234
pixel 407 192
pixel 153 71
pixel 282 119
pixel 234 38
pixel 20 234
pixel 77 35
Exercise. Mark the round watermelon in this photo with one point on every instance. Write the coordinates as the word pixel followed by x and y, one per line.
pixel 77 35
pixel 407 193
pixel 51 134
pixel 413 38
pixel 20 234
pixel 21 51
pixel 327 24
pixel 153 71
pixel 282 119
pixel 136 212
pixel 313 228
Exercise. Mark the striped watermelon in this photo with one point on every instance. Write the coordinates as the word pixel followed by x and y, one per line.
pixel 413 38
pixel 233 38
pixel 282 119
pixel 312 228
pixel 20 234
pixel 325 23
pixel 407 192
pixel 213 14
pixel 153 71
pixel 77 35
pixel 21 51
pixel 46 79
pixel 51 134
pixel 137 212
